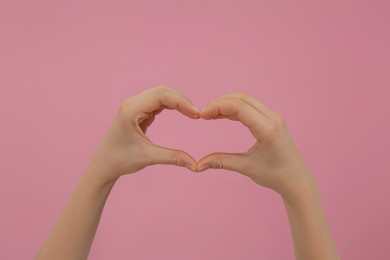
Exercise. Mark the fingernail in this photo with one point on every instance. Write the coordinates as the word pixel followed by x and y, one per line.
pixel 189 166
pixel 196 109
pixel 203 167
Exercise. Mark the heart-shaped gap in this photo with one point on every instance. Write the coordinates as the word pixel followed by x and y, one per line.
pixel 199 137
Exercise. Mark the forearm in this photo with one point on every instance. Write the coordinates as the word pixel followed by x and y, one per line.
pixel 72 235
pixel 309 228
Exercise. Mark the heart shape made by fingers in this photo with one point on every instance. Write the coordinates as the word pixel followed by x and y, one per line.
pixel 262 122
pixel 198 137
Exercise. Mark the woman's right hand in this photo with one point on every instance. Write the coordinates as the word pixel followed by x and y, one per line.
pixel 273 161
pixel 126 149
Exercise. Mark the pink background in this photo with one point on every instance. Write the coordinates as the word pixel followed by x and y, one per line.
pixel 65 66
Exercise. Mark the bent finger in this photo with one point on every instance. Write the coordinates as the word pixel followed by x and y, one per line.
pixel 171 99
pixel 237 109
pixel 228 161
pixel 158 98
pixel 257 104
pixel 163 155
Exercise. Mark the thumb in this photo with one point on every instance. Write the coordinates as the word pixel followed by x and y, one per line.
pixel 228 161
pixel 162 155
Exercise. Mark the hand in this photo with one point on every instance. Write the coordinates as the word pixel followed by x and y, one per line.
pixel 126 149
pixel 273 161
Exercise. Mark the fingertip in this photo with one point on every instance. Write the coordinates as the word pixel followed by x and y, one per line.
pixel 186 160
pixel 195 109
pixel 190 110
pixel 194 116
pixel 203 167
pixel 205 163
pixel 190 167
pixel 204 113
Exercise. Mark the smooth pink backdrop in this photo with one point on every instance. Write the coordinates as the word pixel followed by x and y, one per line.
pixel 65 66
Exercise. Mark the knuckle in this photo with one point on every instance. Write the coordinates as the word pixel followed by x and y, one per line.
pixel 241 94
pixel 163 88
pixel 272 126
pixel 174 160
pixel 218 163
pixel 239 102
pixel 125 112
pixel 123 106
pixel 279 119
pixel 272 130
pixel 125 102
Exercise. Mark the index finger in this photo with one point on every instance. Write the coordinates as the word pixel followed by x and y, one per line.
pixel 257 104
pixel 164 97
pixel 237 109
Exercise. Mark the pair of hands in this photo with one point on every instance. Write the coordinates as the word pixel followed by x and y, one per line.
pixel 273 161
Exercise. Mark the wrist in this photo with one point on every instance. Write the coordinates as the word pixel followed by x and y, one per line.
pixel 301 192
pixel 98 177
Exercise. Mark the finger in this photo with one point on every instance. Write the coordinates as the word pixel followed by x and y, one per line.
pixel 168 88
pixel 165 97
pixel 149 120
pixel 228 161
pixel 179 93
pixel 257 104
pixel 237 109
pixel 162 155
pixel 146 123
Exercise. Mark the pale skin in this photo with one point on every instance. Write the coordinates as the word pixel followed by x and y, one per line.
pixel 272 162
